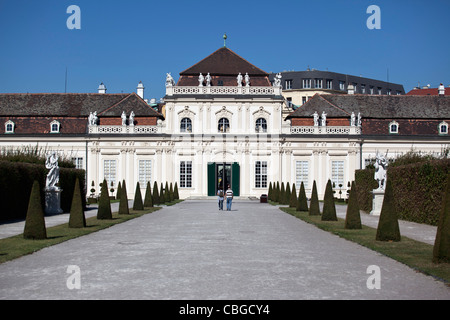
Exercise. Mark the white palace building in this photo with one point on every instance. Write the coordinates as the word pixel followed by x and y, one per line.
pixel 223 122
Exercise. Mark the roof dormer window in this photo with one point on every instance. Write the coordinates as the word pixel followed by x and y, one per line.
pixel 55 126
pixel 9 126
pixel 443 128
pixel 393 127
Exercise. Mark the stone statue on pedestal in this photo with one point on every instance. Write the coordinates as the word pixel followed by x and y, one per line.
pixel 51 163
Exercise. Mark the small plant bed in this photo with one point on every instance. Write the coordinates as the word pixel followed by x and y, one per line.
pixel 16 246
pixel 415 254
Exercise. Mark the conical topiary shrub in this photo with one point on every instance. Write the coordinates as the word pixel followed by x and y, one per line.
pixel 329 208
pixel 287 194
pixel 388 229
pixel 123 204
pixel 353 217
pixel 302 202
pixel 119 190
pixel 35 221
pixel 176 196
pixel 162 196
pixel 314 209
pixel 281 194
pixel 293 198
pixel 104 203
pixel 171 192
pixel 138 204
pixel 277 192
pixel 269 193
pixel 148 201
pixel 441 249
pixel 155 194
pixel 77 218
pixel 166 193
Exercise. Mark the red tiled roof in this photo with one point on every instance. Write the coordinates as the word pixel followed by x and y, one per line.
pixel 427 92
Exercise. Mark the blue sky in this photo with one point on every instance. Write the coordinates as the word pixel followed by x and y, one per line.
pixel 123 42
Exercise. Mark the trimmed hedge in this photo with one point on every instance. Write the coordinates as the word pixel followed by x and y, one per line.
pixel 418 189
pixel 16 180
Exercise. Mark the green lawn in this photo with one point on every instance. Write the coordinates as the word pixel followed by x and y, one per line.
pixel 415 254
pixel 17 246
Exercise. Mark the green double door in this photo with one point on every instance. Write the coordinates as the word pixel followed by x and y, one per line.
pixel 222 174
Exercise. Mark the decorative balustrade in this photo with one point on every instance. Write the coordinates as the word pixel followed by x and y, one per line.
pixel 110 129
pixel 350 130
pixel 174 90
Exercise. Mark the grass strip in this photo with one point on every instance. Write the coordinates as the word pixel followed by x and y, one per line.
pixel 16 246
pixel 415 254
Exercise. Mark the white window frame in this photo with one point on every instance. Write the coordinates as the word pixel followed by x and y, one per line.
pixel 262 123
pixel 342 85
pixel 306 84
pixel 186 124
pixel 392 129
pixel 58 126
pixel 261 174
pixel 11 124
pixel 185 174
pixel 329 84
pixel 288 84
pixel 144 172
pixel 318 83
pixel 224 130
pixel 302 173
pixel 78 162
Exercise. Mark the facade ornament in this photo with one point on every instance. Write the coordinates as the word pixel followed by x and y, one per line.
pixel 247 80
pixel 277 80
pixel 131 122
pixel 239 80
pixel 353 119
pixel 208 80
pixel 92 119
pixel 316 119
pixel 359 119
pixel 124 118
pixel 324 119
pixel 169 80
pixel 201 78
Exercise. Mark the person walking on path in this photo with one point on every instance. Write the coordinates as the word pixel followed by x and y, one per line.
pixel 220 194
pixel 229 196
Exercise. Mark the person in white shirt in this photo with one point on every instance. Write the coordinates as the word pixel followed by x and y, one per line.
pixel 229 197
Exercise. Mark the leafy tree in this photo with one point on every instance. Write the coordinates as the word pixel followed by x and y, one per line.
pixel 293 199
pixel 353 217
pixel 329 208
pixel 441 249
pixel 123 204
pixel 138 204
pixel 104 203
pixel 388 229
pixel 302 203
pixel 77 218
pixel 35 221
pixel 314 209
pixel 148 201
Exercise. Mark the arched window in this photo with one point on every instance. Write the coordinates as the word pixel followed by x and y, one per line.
pixel 261 125
pixel 224 125
pixel 9 126
pixel 54 126
pixel 443 128
pixel 393 127
pixel 186 125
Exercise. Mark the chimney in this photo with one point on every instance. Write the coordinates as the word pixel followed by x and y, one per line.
pixel 101 88
pixel 441 90
pixel 351 89
pixel 140 90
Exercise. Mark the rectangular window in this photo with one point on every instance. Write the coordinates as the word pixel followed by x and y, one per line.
pixel 329 84
pixel 78 162
pixel 306 83
pixel 318 83
pixel 109 171
pixel 363 89
pixel 288 84
pixel 186 174
pixel 304 100
pixel 261 174
pixel 301 174
pixel 337 172
pixel 342 85
pixel 145 172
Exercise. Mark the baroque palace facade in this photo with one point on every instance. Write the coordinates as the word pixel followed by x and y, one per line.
pixel 223 123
